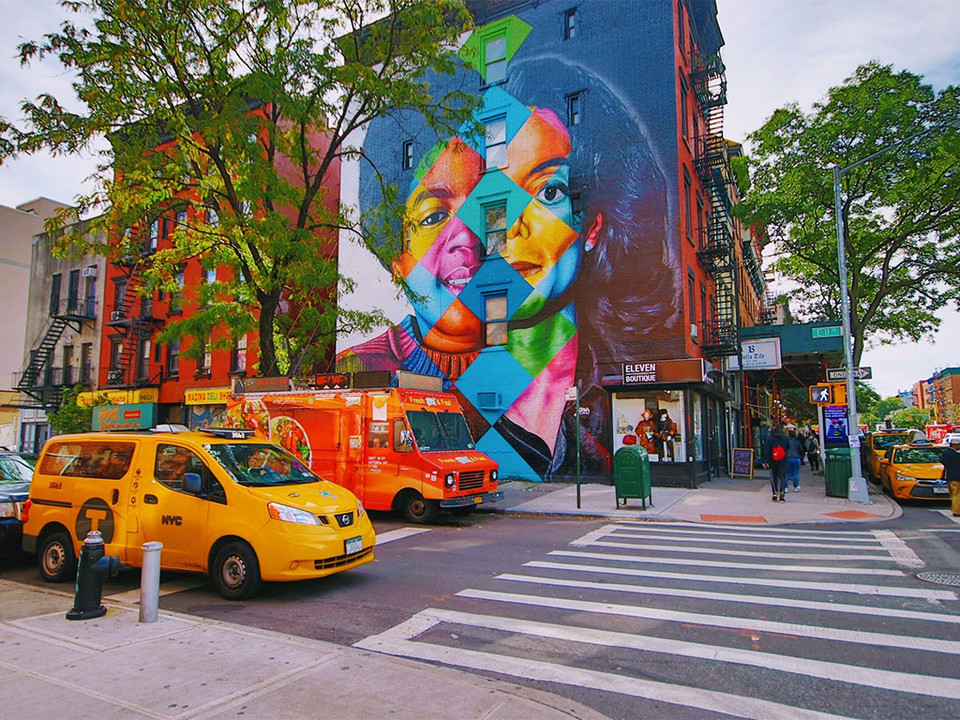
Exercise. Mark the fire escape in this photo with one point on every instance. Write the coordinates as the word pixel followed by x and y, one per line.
pixel 132 322
pixel 716 250
pixel 38 380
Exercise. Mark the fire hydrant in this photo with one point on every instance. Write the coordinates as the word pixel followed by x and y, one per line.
pixel 92 569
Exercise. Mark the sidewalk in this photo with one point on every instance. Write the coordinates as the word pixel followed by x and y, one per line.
pixel 116 668
pixel 183 667
pixel 721 500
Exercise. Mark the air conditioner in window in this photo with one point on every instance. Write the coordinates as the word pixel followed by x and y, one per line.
pixel 694 331
pixel 89 272
pixel 117 315
pixel 114 376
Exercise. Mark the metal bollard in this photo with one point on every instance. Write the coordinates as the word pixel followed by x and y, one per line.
pixel 150 582
pixel 92 569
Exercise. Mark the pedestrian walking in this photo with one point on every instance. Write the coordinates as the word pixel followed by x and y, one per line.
pixel 795 457
pixel 813 454
pixel 773 455
pixel 950 457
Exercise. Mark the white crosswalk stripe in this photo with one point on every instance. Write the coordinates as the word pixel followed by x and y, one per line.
pixel 642 593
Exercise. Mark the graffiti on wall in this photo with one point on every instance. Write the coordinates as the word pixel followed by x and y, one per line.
pixel 533 253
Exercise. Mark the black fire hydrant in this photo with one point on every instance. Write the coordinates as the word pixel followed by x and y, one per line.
pixel 92 570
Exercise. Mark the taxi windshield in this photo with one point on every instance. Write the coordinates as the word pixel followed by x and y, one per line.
pixel 882 442
pixel 439 431
pixel 260 465
pixel 918 455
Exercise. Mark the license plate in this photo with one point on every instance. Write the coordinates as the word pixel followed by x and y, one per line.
pixel 941 491
pixel 353 545
pixel 478 499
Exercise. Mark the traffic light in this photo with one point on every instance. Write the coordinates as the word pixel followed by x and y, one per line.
pixel 821 394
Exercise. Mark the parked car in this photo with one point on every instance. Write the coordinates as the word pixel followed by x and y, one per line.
pixel 874 447
pixel 15 476
pixel 914 471
pixel 950 437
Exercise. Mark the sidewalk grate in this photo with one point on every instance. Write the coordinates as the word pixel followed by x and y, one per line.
pixel 940 578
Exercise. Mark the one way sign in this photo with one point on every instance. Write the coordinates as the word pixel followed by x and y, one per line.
pixel 821 394
pixel 840 374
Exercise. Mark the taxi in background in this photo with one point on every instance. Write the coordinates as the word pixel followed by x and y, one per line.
pixel 913 471
pixel 876 444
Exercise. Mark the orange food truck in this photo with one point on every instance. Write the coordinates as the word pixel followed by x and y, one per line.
pixel 394 448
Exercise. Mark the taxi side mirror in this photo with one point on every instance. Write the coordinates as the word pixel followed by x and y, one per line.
pixel 192 483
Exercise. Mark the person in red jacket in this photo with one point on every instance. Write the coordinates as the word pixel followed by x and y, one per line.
pixel 773 455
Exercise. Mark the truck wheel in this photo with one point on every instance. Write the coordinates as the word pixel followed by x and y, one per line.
pixel 56 559
pixel 418 510
pixel 235 571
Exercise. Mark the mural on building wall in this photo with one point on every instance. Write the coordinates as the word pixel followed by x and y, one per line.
pixel 532 255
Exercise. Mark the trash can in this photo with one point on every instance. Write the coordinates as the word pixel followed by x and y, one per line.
pixel 837 472
pixel 631 474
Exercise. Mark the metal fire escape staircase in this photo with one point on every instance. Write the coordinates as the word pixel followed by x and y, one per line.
pixel 36 381
pixel 716 250
pixel 131 320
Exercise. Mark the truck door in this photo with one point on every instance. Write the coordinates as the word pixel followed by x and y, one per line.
pixel 171 515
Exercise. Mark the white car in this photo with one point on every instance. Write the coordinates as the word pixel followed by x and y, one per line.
pixel 950 437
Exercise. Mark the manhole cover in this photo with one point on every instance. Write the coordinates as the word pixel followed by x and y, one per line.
pixel 940 578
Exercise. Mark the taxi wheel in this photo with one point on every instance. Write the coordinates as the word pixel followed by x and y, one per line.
pixel 236 571
pixel 56 559
pixel 417 509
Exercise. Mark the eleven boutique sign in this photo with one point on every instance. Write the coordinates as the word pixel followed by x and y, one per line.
pixel 523 244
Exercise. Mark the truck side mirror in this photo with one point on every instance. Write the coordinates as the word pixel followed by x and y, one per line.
pixel 192 483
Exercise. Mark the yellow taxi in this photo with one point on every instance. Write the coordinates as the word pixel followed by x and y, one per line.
pixel 240 509
pixel 876 445
pixel 914 472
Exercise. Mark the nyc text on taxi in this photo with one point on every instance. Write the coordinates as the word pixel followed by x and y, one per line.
pixel 239 509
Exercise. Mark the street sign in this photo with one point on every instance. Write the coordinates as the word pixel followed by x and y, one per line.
pixel 570 393
pixel 821 394
pixel 826 332
pixel 840 374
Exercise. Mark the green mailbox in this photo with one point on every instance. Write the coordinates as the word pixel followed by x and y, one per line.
pixel 837 472
pixel 631 474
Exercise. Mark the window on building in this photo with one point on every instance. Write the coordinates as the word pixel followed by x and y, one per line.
pixel 496 147
pixel 55 281
pixel 67 377
pixel 703 307
pixel 176 297
pixel 569 24
pixel 574 109
pixel 207 279
pixel 180 219
pixel 407 161
pixel 153 235
pixel 173 357
pixel 143 368
pixel 206 355
pixel 687 217
pixel 86 363
pixel 238 355
pixel 495 227
pixel 495 59
pixel 691 287
pixel 116 353
pixel 684 110
pixel 119 297
pixel 682 29
pixel 212 216
pixel 701 220
pixel 73 292
pixel 495 307
pixel 90 294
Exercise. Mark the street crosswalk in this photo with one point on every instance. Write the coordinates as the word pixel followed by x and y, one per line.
pixel 722 619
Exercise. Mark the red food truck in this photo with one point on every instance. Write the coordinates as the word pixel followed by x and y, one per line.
pixel 394 448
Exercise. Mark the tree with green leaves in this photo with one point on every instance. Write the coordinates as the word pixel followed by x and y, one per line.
pixel 233 116
pixel 71 416
pixel 910 418
pixel 900 209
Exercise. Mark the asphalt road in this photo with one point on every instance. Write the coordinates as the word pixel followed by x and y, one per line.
pixel 644 620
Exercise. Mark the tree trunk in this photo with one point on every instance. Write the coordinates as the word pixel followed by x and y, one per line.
pixel 268 350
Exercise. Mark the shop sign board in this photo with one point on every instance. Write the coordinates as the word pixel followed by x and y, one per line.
pixel 137 416
pixel 666 371
pixel 763 354
pixel 119 397
pixel 206 396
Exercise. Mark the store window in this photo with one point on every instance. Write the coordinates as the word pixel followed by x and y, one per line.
pixel 652 420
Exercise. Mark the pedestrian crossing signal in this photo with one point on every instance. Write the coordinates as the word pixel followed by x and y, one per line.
pixel 821 394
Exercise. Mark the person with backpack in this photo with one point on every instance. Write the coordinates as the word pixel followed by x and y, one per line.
pixel 773 455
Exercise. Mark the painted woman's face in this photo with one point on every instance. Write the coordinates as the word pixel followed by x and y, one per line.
pixel 543 244
pixel 440 253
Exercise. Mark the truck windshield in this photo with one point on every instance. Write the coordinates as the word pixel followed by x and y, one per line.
pixel 260 465
pixel 439 431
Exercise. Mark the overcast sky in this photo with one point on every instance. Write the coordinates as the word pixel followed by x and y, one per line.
pixel 776 52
